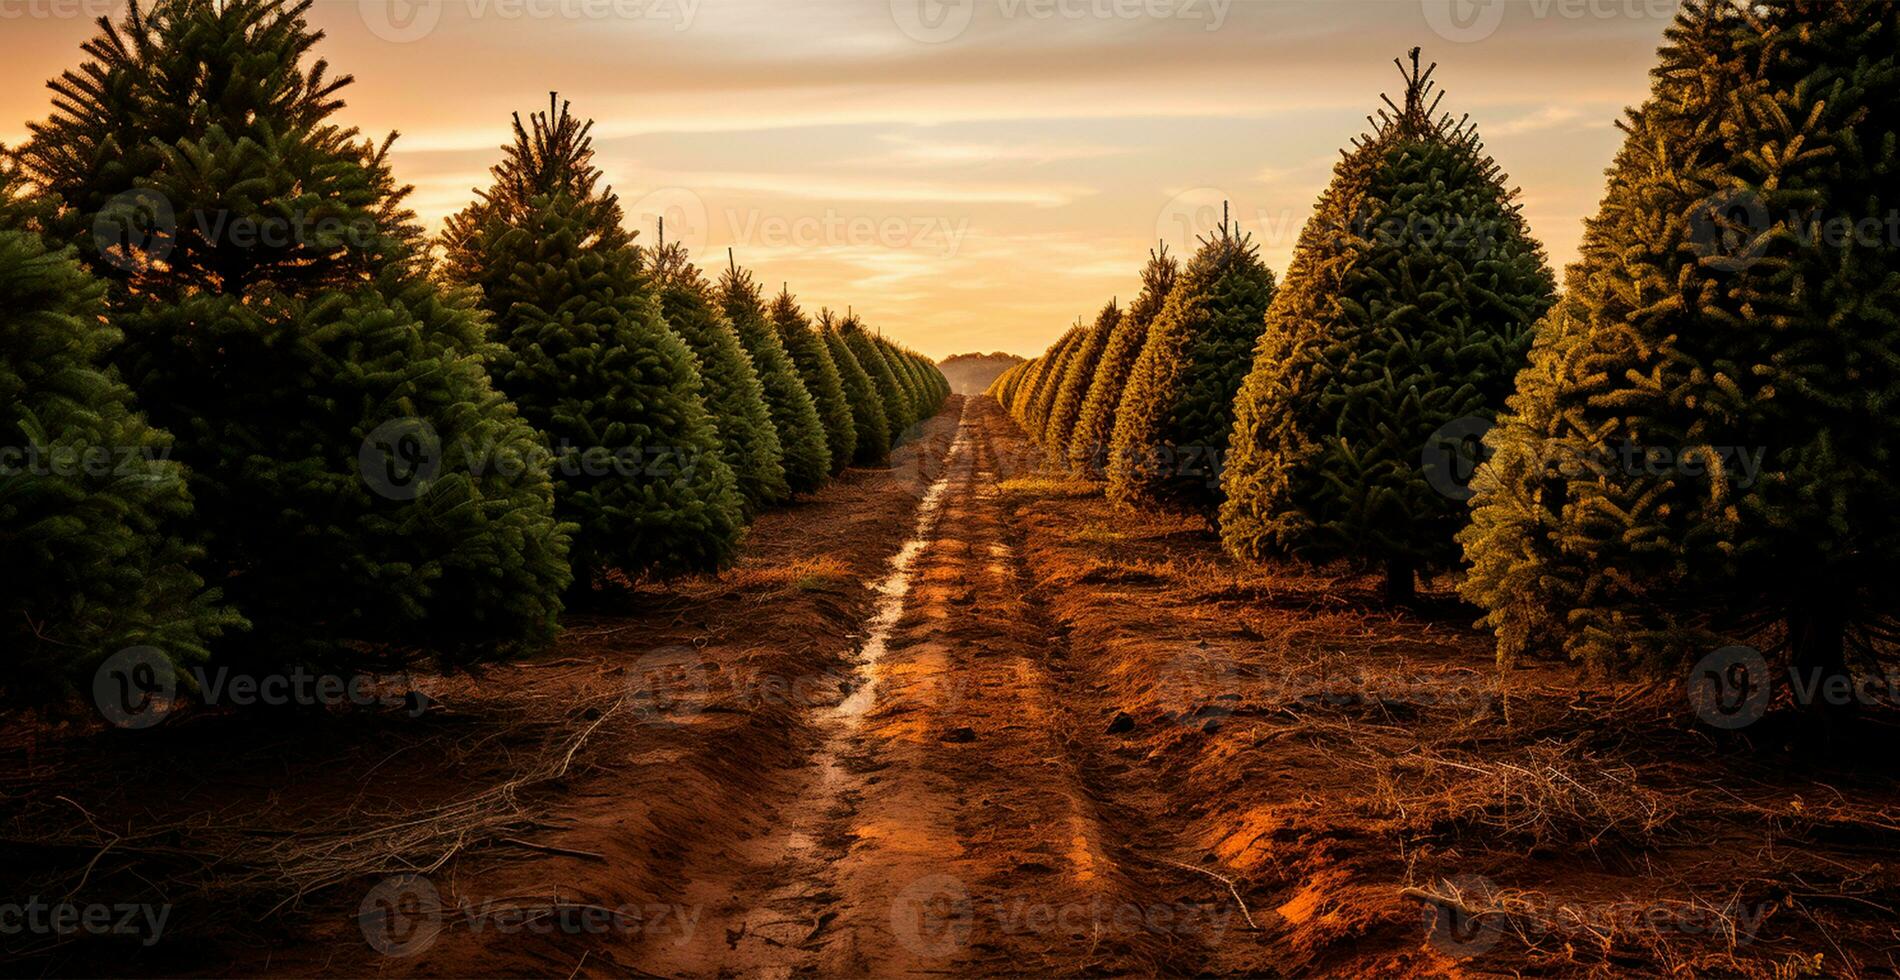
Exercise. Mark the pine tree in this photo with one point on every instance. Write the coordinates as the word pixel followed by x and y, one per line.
pixel 898 413
pixel 1703 447
pixel 586 357
pixel 1066 408
pixel 820 374
pixel 1178 411
pixel 362 491
pixel 733 394
pixel 90 504
pixel 1408 308
pixel 801 435
pixel 867 409
pixel 1088 444
pixel 1035 412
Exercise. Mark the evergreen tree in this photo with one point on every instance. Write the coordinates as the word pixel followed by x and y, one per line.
pixel 90 504
pixel 362 491
pixel 1178 411
pixel 1703 447
pixel 1408 307
pixel 733 393
pixel 1035 413
pixel 898 414
pixel 801 435
pixel 867 409
pixel 820 374
pixel 586 357
pixel 1088 444
pixel 1066 408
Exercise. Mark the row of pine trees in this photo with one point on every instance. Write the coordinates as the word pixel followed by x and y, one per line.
pixel 233 380
pixel 1313 418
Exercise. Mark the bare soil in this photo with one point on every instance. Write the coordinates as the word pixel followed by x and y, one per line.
pixel 960 717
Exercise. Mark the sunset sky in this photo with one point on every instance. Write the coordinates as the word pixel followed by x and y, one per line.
pixel 967 174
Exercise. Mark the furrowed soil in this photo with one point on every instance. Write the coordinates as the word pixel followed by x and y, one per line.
pixel 960 717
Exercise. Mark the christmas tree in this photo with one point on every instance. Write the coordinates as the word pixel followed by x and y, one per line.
pixel 898 413
pixel 1407 309
pixel 733 393
pixel 1036 408
pixel 1178 410
pixel 801 435
pixel 809 352
pixel 363 493
pixel 1088 443
pixel 1703 448
pixel 585 356
pixel 868 417
pixel 90 503
pixel 1066 408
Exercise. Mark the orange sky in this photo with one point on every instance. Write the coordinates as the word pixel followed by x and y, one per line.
pixel 967 174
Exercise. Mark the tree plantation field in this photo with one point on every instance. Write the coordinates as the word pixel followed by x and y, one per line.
pixel 515 591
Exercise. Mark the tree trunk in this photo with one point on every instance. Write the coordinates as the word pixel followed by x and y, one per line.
pixel 1401 581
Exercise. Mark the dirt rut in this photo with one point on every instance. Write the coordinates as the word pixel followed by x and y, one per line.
pixel 950 821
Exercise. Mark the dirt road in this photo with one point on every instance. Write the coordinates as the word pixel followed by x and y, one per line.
pixel 961 717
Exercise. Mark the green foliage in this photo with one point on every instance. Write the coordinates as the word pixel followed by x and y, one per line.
pixel 585 356
pixel 1408 307
pixel 1038 401
pixel 90 503
pixel 1066 407
pixel 1704 444
pixel 733 394
pixel 1089 442
pixel 868 417
pixel 809 351
pixel 1178 410
pixel 801 435
pixel 287 321
pixel 898 412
